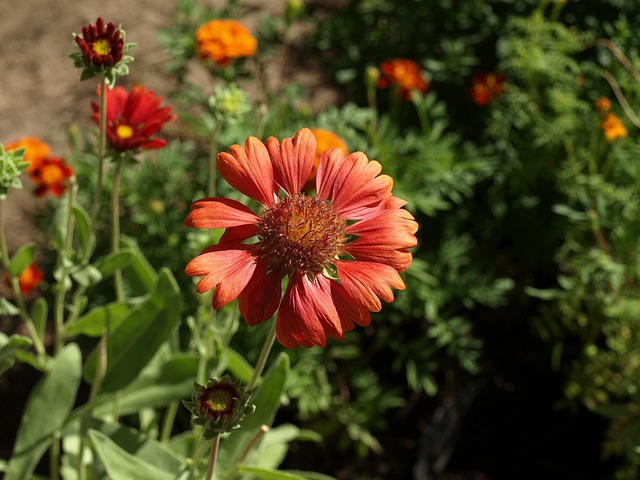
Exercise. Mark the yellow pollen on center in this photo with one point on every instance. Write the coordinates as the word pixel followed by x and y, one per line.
pixel 102 47
pixel 219 402
pixel 124 131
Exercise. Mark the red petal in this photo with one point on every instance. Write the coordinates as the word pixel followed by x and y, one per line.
pixel 261 297
pixel 293 160
pixel 219 213
pixel 368 282
pixel 249 171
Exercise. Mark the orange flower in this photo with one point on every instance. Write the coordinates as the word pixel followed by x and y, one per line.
pixel 405 75
pixel 35 150
pixel 325 140
pixel 50 175
pixel 486 87
pixel 29 279
pixel 340 249
pixel 613 128
pixel 602 104
pixel 224 40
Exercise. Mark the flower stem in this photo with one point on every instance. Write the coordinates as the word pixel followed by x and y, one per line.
pixel 213 457
pixel 262 359
pixel 15 286
pixel 102 146
pixel 115 226
pixel 212 160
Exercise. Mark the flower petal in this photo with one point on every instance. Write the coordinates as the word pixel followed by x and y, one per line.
pixel 293 160
pixel 307 314
pixel 261 297
pixel 350 313
pixel 351 183
pixel 368 282
pixel 219 213
pixel 225 268
pixel 249 170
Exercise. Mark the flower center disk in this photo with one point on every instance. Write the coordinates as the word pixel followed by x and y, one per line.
pixel 102 46
pixel 301 234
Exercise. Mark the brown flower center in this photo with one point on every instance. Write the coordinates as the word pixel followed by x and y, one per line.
pixel 301 233
pixel 102 46
pixel 218 400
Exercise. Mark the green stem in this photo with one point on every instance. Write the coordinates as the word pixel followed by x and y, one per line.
pixel 212 160
pixel 262 359
pixel 15 286
pixel 213 457
pixel 102 147
pixel 62 284
pixel 169 419
pixel 115 226
pixel 54 455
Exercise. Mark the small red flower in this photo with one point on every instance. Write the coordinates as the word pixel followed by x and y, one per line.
pixel 487 87
pixel 29 279
pixel 405 75
pixel 100 44
pixel 340 249
pixel 50 175
pixel 35 150
pixel 133 118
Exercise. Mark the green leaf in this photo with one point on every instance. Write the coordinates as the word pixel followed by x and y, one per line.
pixel 22 259
pixel 47 408
pixel 9 346
pixel 270 474
pixel 140 275
pixel 86 275
pixel 238 366
pixel 84 230
pixel 39 312
pixel 121 464
pixel 96 320
pixel 267 401
pixel 8 308
pixel 109 264
pixel 135 341
pixel 311 475
pixel 156 386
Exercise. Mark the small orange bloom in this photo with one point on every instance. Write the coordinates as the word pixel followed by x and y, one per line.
pixel 325 140
pixel 29 279
pixel 602 104
pixel 224 40
pixel 486 87
pixel 405 75
pixel 50 175
pixel 35 150
pixel 613 128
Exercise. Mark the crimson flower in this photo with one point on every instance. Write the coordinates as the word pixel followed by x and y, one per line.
pixel 133 118
pixel 100 44
pixel 50 175
pixel 487 87
pixel 29 279
pixel 405 75
pixel 340 250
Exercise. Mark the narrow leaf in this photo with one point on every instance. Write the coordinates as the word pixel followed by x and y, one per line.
pixel 39 315
pixel 96 320
pixel 115 261
pixel 22 259
pixel 84 230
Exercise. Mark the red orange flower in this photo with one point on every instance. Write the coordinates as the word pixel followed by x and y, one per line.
pixel 405 75
pixel 35 150
pixel 50 175
pixel 133 118
pixel 100 44
pixel 613 128
pixel 224 40
pixel 487 87
pixel 325 140
pixel 341 250
pixel 602 104
pixel 29 279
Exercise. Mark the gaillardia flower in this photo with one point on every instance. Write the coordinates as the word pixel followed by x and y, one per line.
pixel 35 150
pixel 133 118
pixel 613 128
pixel 405 75
pixel 340 250
pixel 101 45
pixel 487 87
pixel 29 279
pixel 220 406
pixel 50 175
pixel 224 40
pixel 325 139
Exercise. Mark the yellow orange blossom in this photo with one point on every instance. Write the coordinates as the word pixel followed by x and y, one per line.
pixel 602 104
pixel 325 140
pixel 29 279
pixel 613 128
pixel 224 40
pixel 35 150
pixel 405 75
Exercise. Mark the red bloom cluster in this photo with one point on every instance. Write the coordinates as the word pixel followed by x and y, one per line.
pixel 405 75
pixel 100 44
pixel 133 118
pixel 29 279
pixel 487 87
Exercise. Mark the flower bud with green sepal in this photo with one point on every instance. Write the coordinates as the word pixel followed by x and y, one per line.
pixel 11 166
